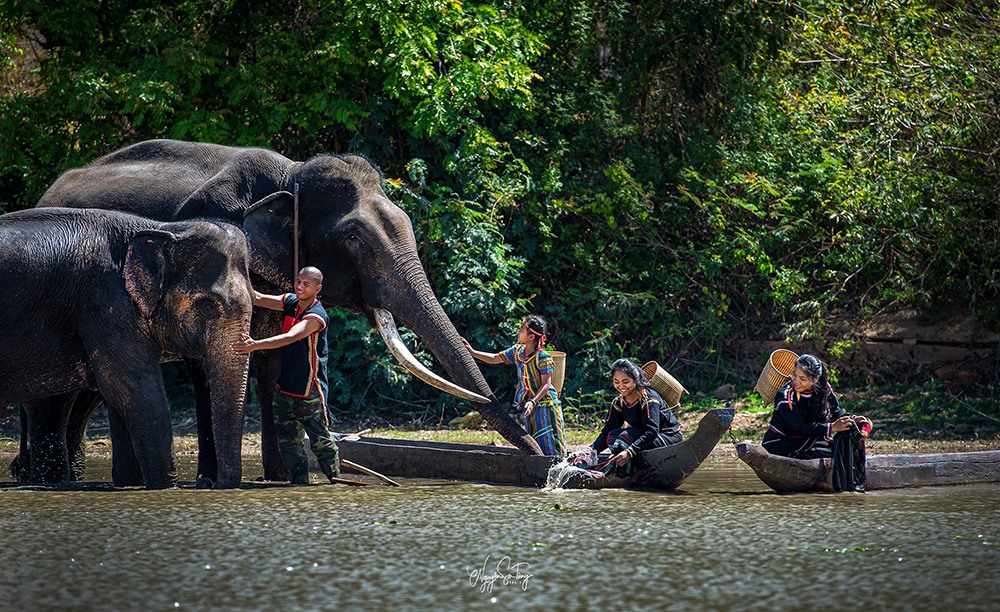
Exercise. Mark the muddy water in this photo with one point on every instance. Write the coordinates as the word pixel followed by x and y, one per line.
pixel 725 542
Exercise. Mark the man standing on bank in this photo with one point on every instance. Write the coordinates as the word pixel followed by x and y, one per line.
pixel 300 404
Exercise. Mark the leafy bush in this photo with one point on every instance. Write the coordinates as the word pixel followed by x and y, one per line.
pixel 656 178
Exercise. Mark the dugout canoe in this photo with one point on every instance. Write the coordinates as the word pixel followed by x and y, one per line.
pixel 787 475
pixel 662 468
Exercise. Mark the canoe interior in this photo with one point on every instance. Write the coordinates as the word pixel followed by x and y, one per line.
pixel 666 468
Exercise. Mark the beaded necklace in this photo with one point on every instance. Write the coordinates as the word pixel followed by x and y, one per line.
pixel 643 399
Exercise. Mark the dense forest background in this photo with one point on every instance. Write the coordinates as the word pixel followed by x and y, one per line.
pixel 654 177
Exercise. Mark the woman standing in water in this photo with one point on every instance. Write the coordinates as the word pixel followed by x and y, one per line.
pixel 535 397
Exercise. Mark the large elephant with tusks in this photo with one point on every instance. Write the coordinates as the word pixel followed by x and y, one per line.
pixel 346 226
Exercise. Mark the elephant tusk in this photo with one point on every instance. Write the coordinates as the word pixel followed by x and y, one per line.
pixel 390 335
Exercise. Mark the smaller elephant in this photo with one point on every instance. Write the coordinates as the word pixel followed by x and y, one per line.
pixel 93 301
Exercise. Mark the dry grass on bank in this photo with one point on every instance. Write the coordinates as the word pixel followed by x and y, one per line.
pixel 746 427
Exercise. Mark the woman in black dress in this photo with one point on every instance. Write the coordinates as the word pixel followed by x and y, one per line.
pixel 638 419
pixel 808 423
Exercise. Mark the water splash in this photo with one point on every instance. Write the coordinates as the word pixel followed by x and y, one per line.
pixel 572 469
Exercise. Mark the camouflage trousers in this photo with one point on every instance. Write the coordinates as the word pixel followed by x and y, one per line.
pixel 296 417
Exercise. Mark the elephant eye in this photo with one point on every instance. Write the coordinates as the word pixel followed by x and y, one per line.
pixel 206 308
pixel 354 242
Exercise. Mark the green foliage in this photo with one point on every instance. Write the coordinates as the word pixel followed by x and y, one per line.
pixel 907 409
pixel 859 163
pixel 361 371
pixel 655 178
pixel 299 77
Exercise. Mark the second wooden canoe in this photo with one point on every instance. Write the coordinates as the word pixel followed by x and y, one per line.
pixel 785 474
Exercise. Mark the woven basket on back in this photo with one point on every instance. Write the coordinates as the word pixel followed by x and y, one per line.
pixel 558 370
pixel 663 383
pixel 777 370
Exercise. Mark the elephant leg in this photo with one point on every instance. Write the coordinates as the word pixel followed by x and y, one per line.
pixel 125 468
pixel 125 471
pixel 135 396
pixel 83 405
pixel 141 401
pixel 20 466
pixel 267 365
pixel 208 466
pixel 47 422
pixel 140 450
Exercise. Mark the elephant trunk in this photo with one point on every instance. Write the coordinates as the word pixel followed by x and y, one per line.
pixel 227 375
pixel 422 313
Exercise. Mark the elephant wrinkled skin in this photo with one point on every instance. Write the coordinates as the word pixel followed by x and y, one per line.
pixel 96 300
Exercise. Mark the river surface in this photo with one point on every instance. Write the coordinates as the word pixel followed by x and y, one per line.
pixel 724 542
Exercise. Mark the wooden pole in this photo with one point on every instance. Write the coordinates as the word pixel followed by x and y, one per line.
pixel 295 233
pixel 353 483
pixel 364 470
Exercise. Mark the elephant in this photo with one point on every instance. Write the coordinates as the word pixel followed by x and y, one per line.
pixel 95 301
pixel 329 212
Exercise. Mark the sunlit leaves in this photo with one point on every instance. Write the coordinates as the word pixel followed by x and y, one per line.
pixel 305 78
pixel 443 59
pixel 870 133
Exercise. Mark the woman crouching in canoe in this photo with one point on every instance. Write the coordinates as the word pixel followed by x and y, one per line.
pixel 808 423
pixel 638 420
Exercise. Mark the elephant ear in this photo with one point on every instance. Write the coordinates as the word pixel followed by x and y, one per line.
pixel 268 226
pixel 145 269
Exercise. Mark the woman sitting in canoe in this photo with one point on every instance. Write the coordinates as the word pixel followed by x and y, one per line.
pixel 807 419
pixel 638 419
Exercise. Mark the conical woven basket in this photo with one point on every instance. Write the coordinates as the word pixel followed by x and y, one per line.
pixel 663 383
pixel 558 370
pixel 777 370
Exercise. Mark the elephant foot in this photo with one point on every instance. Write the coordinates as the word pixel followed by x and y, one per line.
pixel 204 482
pixel 46 473
pixel 129 481
pixel 276 475
pixel 167 481
pixel 20 469
pixel 161 486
